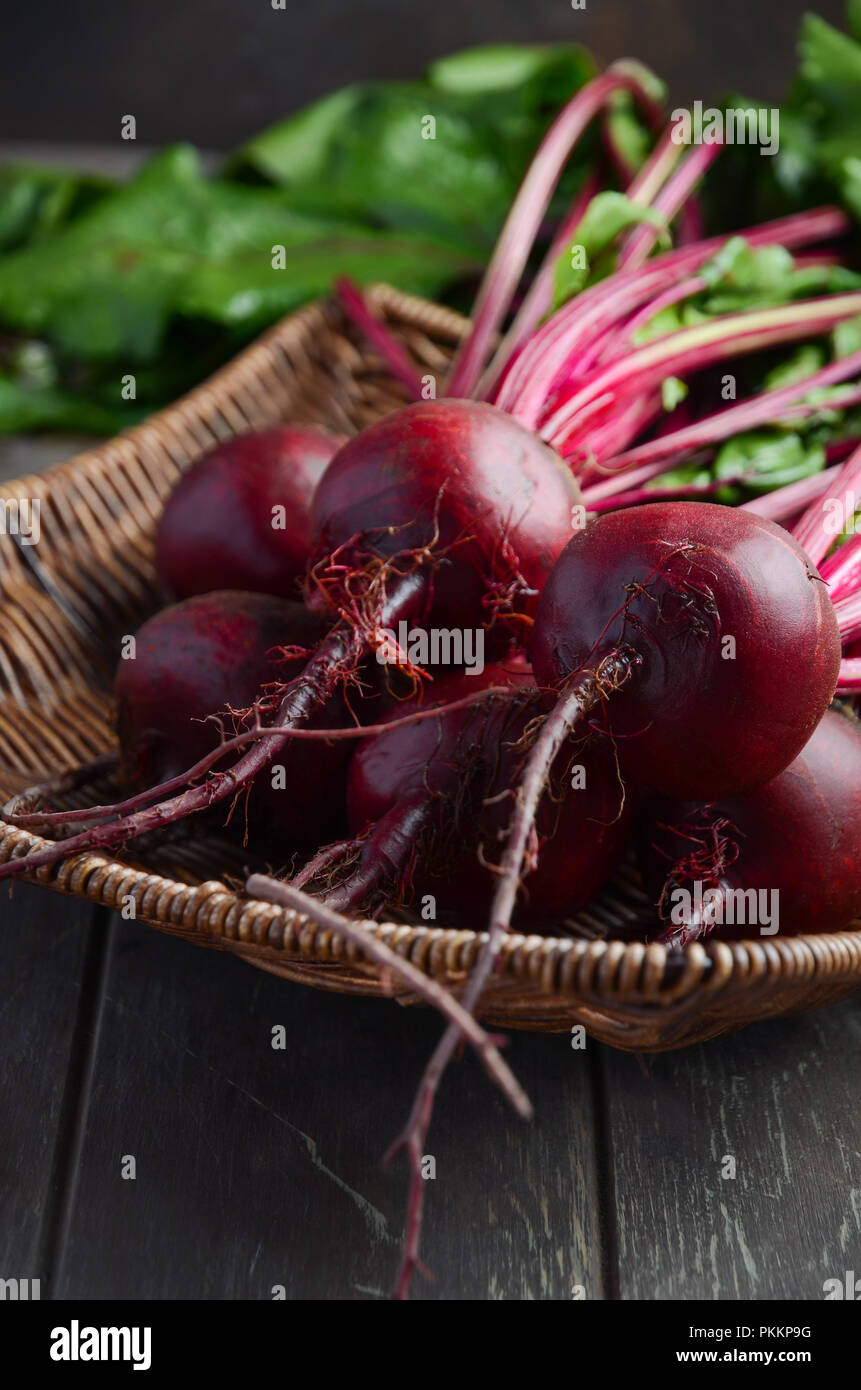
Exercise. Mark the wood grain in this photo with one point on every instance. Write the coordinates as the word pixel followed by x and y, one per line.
pixel 48 953
pixel 782 1099
pixel 258 1167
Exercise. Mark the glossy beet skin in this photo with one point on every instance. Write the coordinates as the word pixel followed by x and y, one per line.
pixel 201 656
pixel 799 834
pixel 216 530
pixel 672 581
pixel 501 499
pixel 431 757
pixel 423 787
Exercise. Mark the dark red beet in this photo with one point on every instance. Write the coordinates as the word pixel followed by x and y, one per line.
pixel 201 656
pixel 464 478
pixel 221 529
pixel 733 631
pixel 581 836
pixel 422 789
pixel 798 835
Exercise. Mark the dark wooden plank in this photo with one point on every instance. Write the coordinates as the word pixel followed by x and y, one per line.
pixel 781 1098
pixel 49 951
pixel 258 1167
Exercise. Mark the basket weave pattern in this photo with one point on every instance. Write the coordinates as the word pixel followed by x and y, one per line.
pixel 66 602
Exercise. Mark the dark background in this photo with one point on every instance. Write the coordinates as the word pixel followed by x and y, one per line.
pixel 216 71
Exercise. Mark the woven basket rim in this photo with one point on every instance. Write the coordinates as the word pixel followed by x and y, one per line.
pixel 636 968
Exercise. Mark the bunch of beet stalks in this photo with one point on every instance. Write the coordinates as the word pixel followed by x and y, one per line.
pixel 658 674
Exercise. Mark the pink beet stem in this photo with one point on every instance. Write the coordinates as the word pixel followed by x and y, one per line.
pixel 668 203
pixel 524 388
pixel 648 461
pixel 621 337
pixel 635 496
pixel 618 296
pixel 690 223
pixel 397 359
pixel 848 610
pixel 538 298
pixel 691 349
pixel 815 531
pixel 788 501
pixel 647 184
pixel 849 680
pixel 842 570
pixel 525 217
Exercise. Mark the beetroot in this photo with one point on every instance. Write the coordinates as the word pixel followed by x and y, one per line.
pixel 215 652
pixel 796 837
pixel 434 799
pixel 729 637
pixel 240 517
pixel 480 504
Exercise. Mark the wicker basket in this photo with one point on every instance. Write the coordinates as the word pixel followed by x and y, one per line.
pixel 90 579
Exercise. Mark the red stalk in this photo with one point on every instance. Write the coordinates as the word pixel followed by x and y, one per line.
pixel 538 298
pixel 691 349
pixel 786 502
pixel 842 570
pixel 396 358
pixel 668 203
pixel 848 610
pixel 813 531
pixel 849 681
pixel 527 212
pixel 647 461
pixel 524 388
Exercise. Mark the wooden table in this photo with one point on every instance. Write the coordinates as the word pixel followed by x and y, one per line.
pixel 257 1167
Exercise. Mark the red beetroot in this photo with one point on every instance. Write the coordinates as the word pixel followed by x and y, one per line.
pixel 798 837
pixel 433 799
pixel 732 642
pixel 240 517
pixel 462 487
pixel 213 653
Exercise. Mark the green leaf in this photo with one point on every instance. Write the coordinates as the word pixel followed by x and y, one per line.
pixel 626 131
pixel 673 392
pixel 746 268
pixel 171 273
pixel 607 216
pixel 501 67
pixel 821 131
pixel 802 363
pixel 32 407
pixel 749 465
pixel 443 156
pixel 34 202
pixel 769 460
pixel 174 243
pixel 847 337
